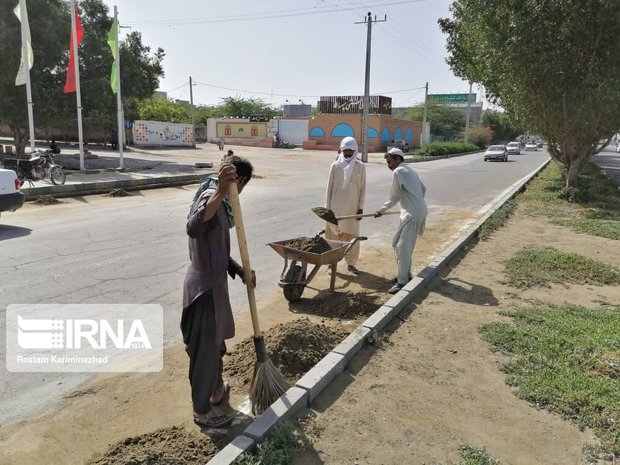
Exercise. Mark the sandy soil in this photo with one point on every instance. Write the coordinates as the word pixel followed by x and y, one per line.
pixel 430 384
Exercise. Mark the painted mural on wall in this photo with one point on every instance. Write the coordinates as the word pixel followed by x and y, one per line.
pixel 161 133
pixel 241 129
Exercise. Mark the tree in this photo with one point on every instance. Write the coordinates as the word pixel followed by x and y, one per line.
pixel 480 135
pixel 243 108
pixel 50 22
pixel 444 120
pixel 500 124
pixel 164 110
pixel 553 65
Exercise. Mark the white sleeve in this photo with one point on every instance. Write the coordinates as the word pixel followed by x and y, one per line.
pixel 395 194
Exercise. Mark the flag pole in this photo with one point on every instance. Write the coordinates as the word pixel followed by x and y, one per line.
pixel 23 13
pixel 77 83
pixel 119 103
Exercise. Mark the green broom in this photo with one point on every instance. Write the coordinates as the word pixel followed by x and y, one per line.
pixel 267 382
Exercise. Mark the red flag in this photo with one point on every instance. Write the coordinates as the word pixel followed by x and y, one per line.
pixel 70 82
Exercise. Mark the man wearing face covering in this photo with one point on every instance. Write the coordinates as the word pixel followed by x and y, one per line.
pixel 346 192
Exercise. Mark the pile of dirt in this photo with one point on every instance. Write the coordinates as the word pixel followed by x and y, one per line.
pixel 118 193
pixel 167 446
pixel 46 200
pixel 314 244
pixel 293 347
pixel 340 305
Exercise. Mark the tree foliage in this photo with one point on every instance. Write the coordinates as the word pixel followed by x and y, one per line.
pixel 243 108
pixel 444 120
pixel 54 111
pixel 164 110
pixel 503 129
pixel 553 65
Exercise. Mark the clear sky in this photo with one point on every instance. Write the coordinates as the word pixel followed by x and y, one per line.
pixel 281 50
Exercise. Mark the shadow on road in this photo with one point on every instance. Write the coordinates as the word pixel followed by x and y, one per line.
pixel 10 232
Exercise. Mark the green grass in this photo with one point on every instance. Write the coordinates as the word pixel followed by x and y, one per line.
pixel 532 267
pixel 566 359
pixel 593 207
pixel 471 455
pixel 497 219
pixel 278 449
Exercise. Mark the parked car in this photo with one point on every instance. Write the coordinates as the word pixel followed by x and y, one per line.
pixel 399 144
pixel 513 148
pixel 496 152
pixel 10 196
pixel 531 146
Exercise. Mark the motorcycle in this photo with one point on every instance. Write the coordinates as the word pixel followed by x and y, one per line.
pixel 40 165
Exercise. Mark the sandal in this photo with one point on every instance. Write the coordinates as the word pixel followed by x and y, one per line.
pixel 221 394
pixel 214 418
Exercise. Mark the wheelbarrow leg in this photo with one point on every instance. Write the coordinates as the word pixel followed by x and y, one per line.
pixel 332 280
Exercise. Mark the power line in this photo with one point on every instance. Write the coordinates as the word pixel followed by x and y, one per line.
pixel 259 16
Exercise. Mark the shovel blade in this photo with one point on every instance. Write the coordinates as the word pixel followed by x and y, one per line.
pixel 326 214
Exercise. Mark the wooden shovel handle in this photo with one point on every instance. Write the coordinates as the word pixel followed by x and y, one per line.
pixel 245 255
pixel 365 215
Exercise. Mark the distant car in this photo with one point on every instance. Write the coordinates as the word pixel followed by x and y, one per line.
pixel 399 144
pixel 10 196
pixel 531 146
pixel 514 148
pixel 539 144
pixel 618 148
pixel 496 152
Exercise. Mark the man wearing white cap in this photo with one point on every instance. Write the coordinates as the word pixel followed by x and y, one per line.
pixel 409 191
pixel 346 191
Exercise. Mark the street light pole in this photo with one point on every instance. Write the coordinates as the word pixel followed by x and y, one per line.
pixel 368 21
pixel 191 103
pixel 467 114
pixel 422 136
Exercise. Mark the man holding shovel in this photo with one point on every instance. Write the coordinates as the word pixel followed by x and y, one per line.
pixel 409 191
pixel 207 319
pixel 346 191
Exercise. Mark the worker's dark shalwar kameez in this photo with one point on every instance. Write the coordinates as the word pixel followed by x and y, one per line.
pixel 207 318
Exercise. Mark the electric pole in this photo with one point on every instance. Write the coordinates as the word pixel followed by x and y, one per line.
pixel 422 137
pixel 467 114
pixel 368 21
pixel 191 103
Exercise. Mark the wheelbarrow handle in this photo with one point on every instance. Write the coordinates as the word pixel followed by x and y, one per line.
pixel 364 215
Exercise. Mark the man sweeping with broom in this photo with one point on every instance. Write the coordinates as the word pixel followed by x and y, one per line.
pixel 207 319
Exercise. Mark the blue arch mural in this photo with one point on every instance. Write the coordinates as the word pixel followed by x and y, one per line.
pixel 342 130
pixel 408 135
pixel 398 134
pixel 372 132
pixel 317 132
pixel 385 135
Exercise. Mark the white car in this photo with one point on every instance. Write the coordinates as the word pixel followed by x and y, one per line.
pixel 496 152
pixel 513 148
pixel 531 146
pixel 10 196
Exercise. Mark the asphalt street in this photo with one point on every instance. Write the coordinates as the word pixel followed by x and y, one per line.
pixel 133 249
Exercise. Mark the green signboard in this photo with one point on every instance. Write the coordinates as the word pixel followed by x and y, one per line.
pixel 450 98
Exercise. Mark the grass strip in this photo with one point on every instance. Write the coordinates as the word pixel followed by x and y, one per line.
pixel 278 449
pixel 471 455
pixel 539 267
pixel 497 219
pixel 566 359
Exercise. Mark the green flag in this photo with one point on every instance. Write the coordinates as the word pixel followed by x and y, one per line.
pixel 112 44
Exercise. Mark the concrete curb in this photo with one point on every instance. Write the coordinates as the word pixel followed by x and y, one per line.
pixel 334 363
pixel 103 187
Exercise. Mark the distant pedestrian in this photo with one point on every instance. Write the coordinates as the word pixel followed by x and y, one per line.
pixel 221 143
pixel 114 139
pixel 408 190
pixel 346 192
pixel 230 153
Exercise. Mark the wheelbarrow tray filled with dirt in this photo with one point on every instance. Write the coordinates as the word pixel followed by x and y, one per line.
pixel 329 257
pixel 295 276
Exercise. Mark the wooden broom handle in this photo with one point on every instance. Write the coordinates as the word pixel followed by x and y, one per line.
pixel 245 255
pixel 365 215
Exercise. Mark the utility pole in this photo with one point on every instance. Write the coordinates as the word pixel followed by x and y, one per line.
pixel 422 138
pixel 368 21
pixel 467 114
pixel 191 103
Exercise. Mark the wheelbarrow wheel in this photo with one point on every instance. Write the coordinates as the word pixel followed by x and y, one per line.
pixel 293 291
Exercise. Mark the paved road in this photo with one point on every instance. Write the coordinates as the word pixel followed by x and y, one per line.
pixel 133 249
pixel 609 161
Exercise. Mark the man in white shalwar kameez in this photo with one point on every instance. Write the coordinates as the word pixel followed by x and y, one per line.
pixel 346 192
pixel 408 190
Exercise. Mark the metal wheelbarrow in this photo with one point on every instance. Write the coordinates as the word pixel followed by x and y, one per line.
pixel 295 277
